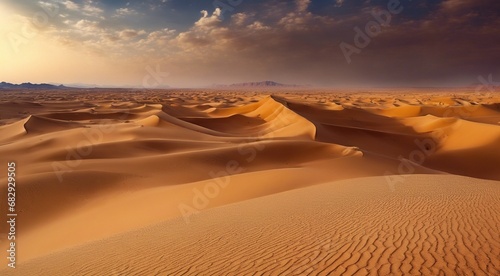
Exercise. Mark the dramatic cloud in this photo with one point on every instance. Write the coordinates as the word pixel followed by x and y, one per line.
pixel 426 43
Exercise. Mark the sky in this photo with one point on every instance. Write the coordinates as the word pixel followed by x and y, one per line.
pixel 196 43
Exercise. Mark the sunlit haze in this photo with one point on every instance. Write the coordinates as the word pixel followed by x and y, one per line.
pixel 194 43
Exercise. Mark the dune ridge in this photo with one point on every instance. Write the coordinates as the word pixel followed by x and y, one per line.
pixel 109 166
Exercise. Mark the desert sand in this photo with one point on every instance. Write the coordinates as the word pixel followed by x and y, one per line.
pixel 226 182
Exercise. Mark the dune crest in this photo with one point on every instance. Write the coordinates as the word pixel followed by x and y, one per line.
pixel 283 182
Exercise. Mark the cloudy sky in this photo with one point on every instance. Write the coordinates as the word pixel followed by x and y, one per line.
pixel 192 43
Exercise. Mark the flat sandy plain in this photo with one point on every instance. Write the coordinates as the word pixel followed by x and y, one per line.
pixel 191 182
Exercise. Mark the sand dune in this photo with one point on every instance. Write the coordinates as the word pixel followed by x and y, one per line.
pixel 431 225
pixel 239 182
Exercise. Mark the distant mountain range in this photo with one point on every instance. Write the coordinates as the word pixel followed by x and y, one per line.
pixel 259 84
pixel 29 85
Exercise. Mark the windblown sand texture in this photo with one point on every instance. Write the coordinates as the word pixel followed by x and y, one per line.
pixel 402 182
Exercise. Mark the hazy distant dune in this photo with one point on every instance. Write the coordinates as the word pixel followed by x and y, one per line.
pixel 225 182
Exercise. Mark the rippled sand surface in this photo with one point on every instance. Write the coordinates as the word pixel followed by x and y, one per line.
pixel 190 182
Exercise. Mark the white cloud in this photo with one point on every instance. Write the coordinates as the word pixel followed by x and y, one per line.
pixel 156 38
pixel 239 18
pixel 161 34
pixel 302 20
pixel 90 9
pixel 125 12
pixel 209 21
pixel 130 33
pixel 87 26
pixel 258 26
pixel 70 5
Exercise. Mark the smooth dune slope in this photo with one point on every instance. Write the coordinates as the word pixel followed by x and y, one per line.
pixel 430 225
pixel 98 168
